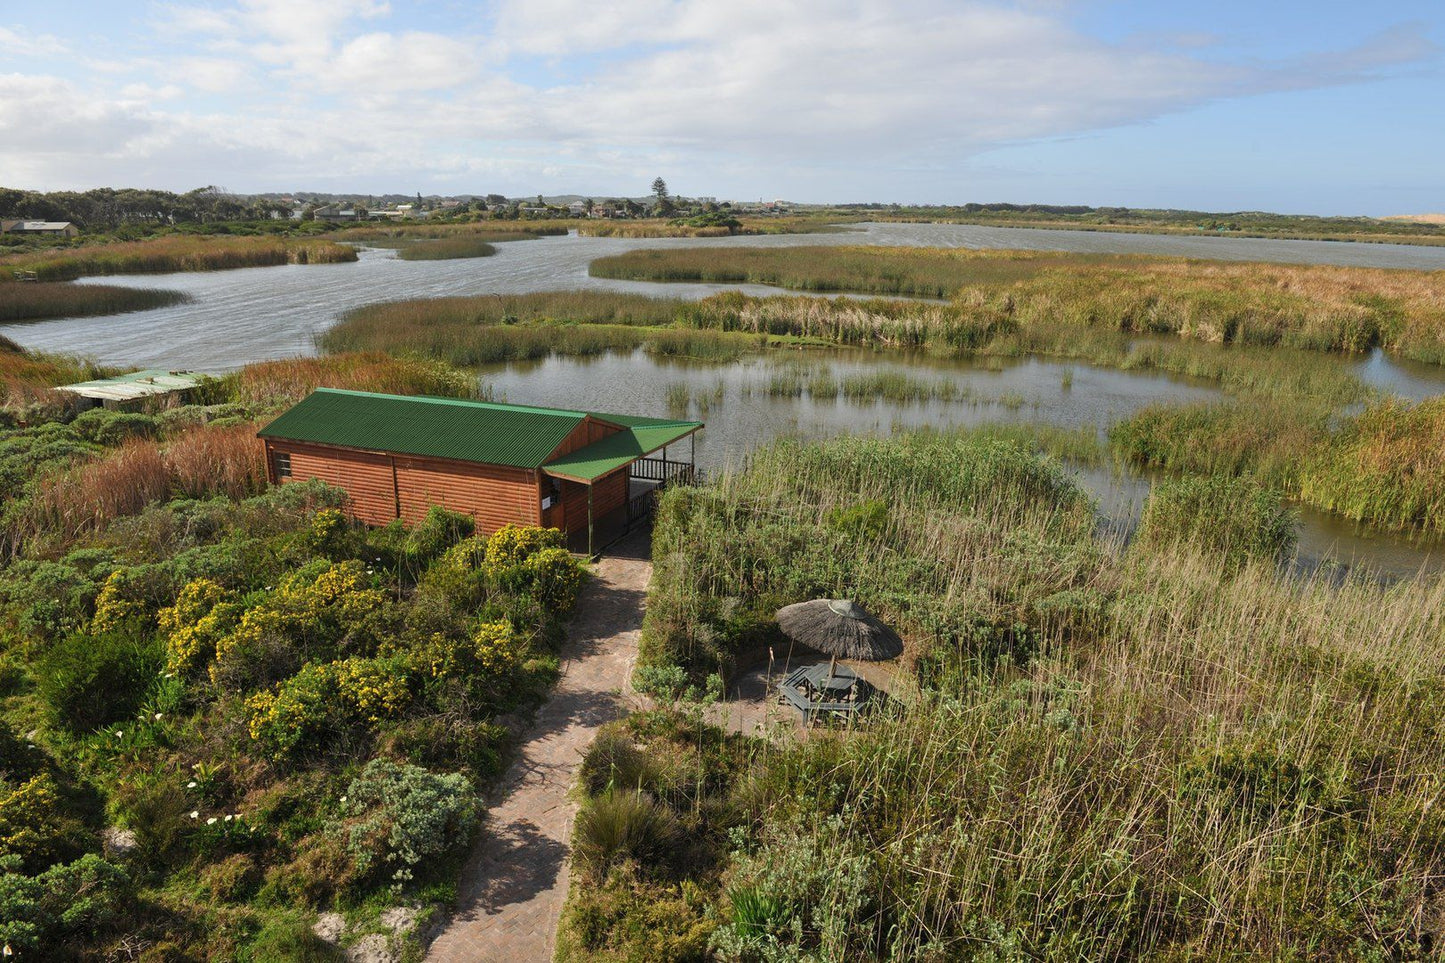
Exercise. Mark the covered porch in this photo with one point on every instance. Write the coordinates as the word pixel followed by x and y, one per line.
pixel 610 489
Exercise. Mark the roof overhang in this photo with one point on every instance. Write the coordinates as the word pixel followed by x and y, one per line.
pixel 601 458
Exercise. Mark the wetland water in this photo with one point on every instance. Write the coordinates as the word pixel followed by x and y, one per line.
pixel 258 313
pixel 742 411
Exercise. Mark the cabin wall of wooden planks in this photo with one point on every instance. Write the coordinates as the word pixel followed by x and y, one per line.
pixel 608 493
pixel 382 487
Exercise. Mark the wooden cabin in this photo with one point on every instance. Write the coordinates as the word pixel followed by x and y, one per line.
pixel 396 456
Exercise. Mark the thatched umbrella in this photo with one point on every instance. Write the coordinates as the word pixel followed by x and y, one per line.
pixel 840 628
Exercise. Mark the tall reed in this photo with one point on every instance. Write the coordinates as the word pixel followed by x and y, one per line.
pixel 33 302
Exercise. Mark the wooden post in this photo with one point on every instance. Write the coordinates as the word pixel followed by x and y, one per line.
pixel 589 521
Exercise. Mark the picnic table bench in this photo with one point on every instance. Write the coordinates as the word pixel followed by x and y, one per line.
pixel 820 691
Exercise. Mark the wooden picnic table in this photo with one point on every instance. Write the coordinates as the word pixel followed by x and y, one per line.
pixel 821 690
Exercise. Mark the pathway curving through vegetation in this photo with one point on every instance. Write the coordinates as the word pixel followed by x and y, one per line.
pixel 512 889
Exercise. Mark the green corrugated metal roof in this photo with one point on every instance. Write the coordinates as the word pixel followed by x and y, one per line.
pixel 519 436
pixel 477 431
pixel 623 448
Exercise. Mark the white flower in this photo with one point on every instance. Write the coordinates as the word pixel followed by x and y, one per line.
pixel 158 716
pixel 211 821
pixel 195 814
pixel 191 784
pixel 228 817
pixel 343 799
pixel 119 733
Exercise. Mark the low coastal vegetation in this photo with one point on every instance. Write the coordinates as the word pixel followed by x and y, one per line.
pixel 32 302
pixel 172 254
pixel 1167 750
pixel 224 708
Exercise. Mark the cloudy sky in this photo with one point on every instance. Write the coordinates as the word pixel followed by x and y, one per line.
pixel 1322 107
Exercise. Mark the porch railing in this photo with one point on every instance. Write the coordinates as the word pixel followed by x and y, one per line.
pixel 663 470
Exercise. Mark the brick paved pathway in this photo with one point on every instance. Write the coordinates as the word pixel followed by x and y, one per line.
pixel 512 889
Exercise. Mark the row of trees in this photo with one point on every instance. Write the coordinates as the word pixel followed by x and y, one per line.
pixel 104 208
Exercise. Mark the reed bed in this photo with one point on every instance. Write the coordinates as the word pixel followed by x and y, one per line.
pixel 492 329
pixel 1105 754
pixel 34 302
pixel 286 381
pixel 448 249
pixel 1312 307
pixel 1384 466
pixel 174 254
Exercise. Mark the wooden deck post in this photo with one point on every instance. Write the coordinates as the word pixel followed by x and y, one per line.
pixel 589 521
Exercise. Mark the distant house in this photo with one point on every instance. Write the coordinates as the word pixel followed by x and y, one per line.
pixel 397 456
pixel 577 208
pixel 52 228
pixel 335 212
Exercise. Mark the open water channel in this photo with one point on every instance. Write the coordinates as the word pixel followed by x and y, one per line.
pixel 241 316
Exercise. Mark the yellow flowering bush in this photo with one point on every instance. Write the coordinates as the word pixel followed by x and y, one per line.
pixel 329 532
pixel 200 617
pixel 512 545
pixel 327 697
pixel 112 606
pixel 493 650
pixel 309 610
pixel 34 825
pixel 496 648
pixel 554 578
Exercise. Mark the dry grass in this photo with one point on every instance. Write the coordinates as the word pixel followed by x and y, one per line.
pixel 28 378
pixel 209 461
pixel 196 464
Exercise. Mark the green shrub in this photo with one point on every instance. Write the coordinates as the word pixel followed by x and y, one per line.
pixel 90 680
pixel 158 814
pixel 1235 518
pixel 399 817
pixel 34 825
pixel 623 825
pixel 437 532
pixel 614 762
pixel 44 912
pixel 106 427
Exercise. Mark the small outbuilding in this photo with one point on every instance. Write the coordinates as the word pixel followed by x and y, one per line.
pixel 138 389
pixel 397 456
pixel 49 228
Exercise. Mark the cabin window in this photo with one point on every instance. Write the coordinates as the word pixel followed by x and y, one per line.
pixel 283 464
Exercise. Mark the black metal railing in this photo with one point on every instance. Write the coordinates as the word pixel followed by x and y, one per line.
pixel 662 470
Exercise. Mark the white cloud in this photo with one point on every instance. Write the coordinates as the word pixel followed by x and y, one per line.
pixel 618 86
pixel 23 43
